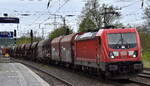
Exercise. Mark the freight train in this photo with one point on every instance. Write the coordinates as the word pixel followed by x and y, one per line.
pixel 113 53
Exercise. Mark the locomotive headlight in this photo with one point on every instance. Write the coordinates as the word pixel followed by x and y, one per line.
pixel 130 53
pixel 115 53
pixel 111 55
pixel 133 53
pixel 134 56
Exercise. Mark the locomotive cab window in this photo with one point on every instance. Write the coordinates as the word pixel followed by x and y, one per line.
pixel 121 40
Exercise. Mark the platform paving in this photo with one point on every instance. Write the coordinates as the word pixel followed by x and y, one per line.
pixel 16 74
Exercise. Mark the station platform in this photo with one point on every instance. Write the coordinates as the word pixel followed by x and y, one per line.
pixel 16 74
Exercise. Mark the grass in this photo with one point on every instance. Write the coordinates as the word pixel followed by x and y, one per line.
pixel 146 58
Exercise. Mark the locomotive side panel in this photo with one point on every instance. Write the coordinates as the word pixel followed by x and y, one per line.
pixel 86 49
pixel 86 53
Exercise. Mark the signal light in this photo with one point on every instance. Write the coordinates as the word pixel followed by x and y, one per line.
pixel 5 14
pixel 15 33
pixel 31 34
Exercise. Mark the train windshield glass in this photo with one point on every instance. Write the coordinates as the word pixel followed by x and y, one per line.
pixel 121 40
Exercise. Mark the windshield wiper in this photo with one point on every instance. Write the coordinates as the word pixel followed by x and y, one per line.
pixel 122 40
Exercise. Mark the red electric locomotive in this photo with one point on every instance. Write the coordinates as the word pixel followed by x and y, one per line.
pixel 113 52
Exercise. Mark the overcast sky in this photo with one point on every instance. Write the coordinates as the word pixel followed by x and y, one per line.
pixel 132 13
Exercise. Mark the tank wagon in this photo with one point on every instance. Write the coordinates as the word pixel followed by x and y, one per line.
pixel 114 53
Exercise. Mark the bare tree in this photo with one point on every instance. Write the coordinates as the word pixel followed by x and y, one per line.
pixel 147 15
pixel 91 11
pixel 98 14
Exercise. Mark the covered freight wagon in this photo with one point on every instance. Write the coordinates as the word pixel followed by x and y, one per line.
pixel 66 49
pixel 22 50
pixel 28 51
pixel 34 50
pixel 44 50
pixel 55 49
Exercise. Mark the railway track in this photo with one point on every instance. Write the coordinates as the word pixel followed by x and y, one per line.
pixel 75 78
pixel 144 75
pixel 143 78
pixel 147 69
pixel 142 83
pixel 66 83
pixel 131 82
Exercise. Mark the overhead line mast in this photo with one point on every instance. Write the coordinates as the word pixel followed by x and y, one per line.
pixel 105 13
